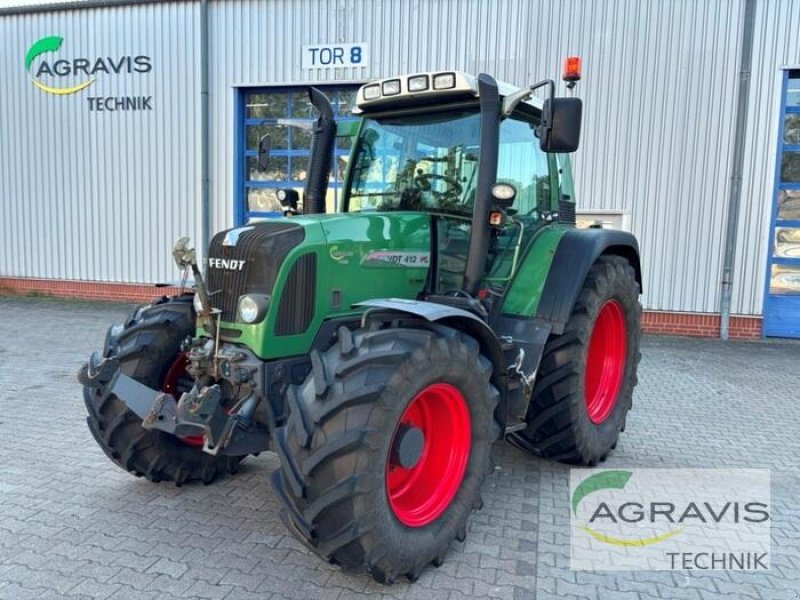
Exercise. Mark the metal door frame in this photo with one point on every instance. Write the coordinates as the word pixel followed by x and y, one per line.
pixel 782 311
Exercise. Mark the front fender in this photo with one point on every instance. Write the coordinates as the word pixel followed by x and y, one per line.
pixel 456 318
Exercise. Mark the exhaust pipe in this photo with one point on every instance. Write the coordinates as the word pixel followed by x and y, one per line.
pixel 321 160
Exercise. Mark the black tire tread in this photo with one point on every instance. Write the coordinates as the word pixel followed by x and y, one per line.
pixel 145 344
pixel 554 430
pixel 319 444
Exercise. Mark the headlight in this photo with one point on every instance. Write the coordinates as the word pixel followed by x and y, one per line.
pixel 391 87
pixel 418 83
pixel 504 192
pixel 253 307
pixel 444 81
pixel 198 305
pixel 371 92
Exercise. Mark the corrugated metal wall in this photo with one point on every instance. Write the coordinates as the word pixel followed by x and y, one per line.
pixel 660 87
pixel 776 43
pixel 100 195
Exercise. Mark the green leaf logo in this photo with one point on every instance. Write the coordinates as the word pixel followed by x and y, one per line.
pixel 615 480
pixel 599 481
pixel 50 44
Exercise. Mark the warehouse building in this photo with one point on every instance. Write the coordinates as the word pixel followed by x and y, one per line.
pixel 124 125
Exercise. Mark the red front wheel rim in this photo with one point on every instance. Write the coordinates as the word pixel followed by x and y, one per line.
pixel 420 494
pixel 172 380
pixel 605 361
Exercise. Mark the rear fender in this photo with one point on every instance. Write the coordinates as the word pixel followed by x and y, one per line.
pixel 577 251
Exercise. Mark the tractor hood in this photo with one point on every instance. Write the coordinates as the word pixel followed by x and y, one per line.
pixel 310 268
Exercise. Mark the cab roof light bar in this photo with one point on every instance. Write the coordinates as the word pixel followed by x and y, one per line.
pixel 384 91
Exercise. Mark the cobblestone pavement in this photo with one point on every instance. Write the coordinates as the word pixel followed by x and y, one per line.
pixel 74 525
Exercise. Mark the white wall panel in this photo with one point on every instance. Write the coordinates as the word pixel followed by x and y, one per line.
pixel 100 195
pixel 776 43
pixel 659 85
pixel 660 88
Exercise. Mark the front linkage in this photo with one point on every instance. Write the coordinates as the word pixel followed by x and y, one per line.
pixel 198 412
pixel 201 411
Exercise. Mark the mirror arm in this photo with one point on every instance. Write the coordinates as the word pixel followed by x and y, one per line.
pixel 545 82
pixel 511 102
pixel 547 113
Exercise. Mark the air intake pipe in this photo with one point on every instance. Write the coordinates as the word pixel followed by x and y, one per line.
pixel 321 161
pixel 487 176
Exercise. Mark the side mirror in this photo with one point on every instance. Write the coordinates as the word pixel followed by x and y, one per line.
pixel 560 130
pixel 264 148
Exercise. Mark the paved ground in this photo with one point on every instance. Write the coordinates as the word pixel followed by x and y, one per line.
pixel 74 525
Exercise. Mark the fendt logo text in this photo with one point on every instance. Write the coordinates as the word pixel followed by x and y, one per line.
pixel 66 76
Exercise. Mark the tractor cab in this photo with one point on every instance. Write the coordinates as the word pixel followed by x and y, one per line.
pixel 431 142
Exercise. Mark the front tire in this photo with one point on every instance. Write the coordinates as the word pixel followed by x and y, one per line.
pixel 148 347
pixel 584 387
pixel 386 447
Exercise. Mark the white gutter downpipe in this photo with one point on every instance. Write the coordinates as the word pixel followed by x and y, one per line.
pixel 205 142
pixel 735 196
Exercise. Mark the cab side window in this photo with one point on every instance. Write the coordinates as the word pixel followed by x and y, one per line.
pixel 523 164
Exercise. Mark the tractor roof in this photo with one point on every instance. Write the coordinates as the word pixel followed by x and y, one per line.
pixel 426 88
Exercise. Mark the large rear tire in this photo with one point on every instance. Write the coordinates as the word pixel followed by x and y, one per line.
pixel 584 387
pixel 148 347
pixel 386 447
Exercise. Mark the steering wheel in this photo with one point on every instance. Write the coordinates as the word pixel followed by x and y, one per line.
pixel 424 180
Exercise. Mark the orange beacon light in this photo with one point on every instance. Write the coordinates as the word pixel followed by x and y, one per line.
pixel 572 69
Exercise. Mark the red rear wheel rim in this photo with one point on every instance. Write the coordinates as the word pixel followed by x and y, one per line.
pixel 605 361
pixel 176 372
pixel 420 494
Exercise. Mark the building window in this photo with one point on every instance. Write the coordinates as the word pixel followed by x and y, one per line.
pixel 286 115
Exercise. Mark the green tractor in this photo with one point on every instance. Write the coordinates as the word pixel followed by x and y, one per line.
pixel 382 350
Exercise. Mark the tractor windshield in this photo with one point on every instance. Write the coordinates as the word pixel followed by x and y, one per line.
pixel 420 162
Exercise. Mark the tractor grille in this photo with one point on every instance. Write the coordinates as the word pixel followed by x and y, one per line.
pixel 297 300
pixel 263 250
